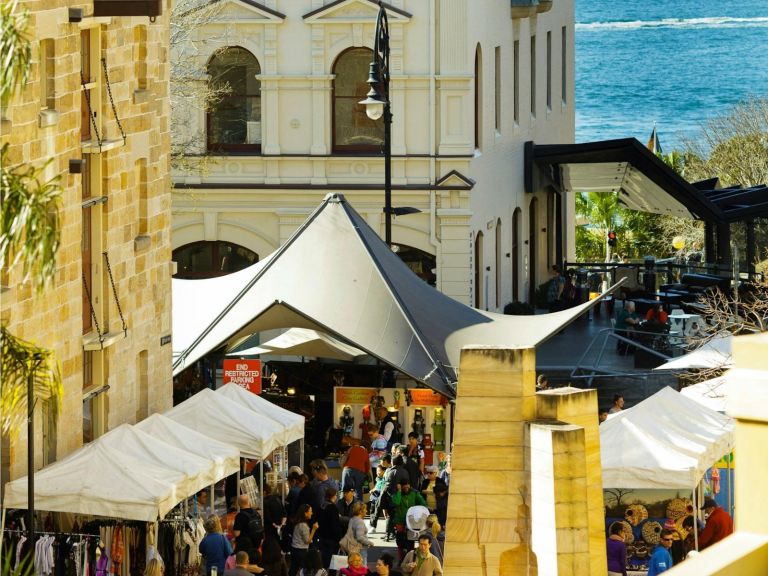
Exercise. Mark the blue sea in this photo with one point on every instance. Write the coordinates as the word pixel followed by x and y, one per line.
pixel 672 62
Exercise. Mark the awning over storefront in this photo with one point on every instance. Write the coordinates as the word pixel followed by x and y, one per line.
pixel 644 182
pixel 337 276
pixel 665 441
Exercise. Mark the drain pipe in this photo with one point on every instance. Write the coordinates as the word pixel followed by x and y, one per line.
pixel 432 161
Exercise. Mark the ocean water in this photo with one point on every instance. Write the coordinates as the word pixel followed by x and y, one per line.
pixel 672 62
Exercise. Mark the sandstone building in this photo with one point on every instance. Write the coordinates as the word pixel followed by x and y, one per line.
pixel 96 106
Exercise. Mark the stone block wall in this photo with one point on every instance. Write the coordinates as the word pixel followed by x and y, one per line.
pixel 522 499
pixel 139 255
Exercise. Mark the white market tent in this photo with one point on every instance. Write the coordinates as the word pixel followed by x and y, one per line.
pixel 293 424
pixel 714 353
pixel 218 417
pixel 104 481
pixel 226 458
pixel 711 393
pixel 666 441
pixel 199 472
pixel 337 276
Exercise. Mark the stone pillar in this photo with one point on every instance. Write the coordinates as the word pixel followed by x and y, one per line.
pixel 488 507
pixel 559 502
pixel 579 407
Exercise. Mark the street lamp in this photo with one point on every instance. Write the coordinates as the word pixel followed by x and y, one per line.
pixel 377 105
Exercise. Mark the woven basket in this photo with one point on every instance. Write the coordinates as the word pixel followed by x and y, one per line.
pixel 679 508
pixel 635 513
pixel 651 532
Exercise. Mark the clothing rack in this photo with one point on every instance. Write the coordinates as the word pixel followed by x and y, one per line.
pixel 44 533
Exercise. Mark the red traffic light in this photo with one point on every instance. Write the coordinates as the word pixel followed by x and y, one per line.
pixel 611 238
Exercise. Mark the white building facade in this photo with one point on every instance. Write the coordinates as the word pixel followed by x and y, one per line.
pixel 471 83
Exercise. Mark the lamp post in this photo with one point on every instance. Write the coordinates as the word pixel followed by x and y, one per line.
pixel 377 104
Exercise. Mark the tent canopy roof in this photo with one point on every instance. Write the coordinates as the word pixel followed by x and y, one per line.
pixel 336 275
pixel 218 417
pixel 292 424
pixel 665 441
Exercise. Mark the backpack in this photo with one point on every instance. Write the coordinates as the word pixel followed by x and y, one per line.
pixel 255 528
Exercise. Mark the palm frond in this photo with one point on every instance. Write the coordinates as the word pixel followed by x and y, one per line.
pixel 21 361
pixel 29 220
pixel 15 51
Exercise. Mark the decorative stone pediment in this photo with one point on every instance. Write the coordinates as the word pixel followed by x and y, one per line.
pixel 455 181
pixel 247 11
pixel 353 12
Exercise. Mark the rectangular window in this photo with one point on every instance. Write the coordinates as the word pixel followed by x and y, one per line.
pixel 85 246
pixel 516 81
pixel 142 383
pixel 85 77
pixel 549 70
pixel 47 74
pixel 564 65
pixel 533 76
pixel 497 88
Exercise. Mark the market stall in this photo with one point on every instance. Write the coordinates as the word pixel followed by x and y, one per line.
pixel 218 417
pixel 654 455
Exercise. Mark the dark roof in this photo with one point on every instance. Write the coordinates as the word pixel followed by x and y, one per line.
pixel 627 166
pixel 737 203
pixel 328 7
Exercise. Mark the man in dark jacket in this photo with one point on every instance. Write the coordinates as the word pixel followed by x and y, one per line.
pixel 719 524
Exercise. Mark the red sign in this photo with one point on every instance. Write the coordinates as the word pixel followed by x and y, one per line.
pixel 424 397
pixel 245 373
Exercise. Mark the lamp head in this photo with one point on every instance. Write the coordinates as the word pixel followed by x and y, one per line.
pixel 374 107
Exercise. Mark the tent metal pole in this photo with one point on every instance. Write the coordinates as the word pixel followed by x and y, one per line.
pixel 212 500
pixel 301 452
pixel 2 530
pixel 730 502
pixel 696 518
pixel 260 484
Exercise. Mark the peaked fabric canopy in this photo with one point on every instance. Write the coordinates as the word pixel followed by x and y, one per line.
pixel 226 458
pixel 665 441
pixel 715 353
pixel 225 420
pixel 336 275
pixel 292 424
pixel 304 342
pixel 104 481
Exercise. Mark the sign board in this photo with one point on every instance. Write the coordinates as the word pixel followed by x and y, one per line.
pixel 245 373
pixel 425 397
pixel 354 395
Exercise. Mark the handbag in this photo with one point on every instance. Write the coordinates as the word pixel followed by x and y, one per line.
pixel 349 544
pixel 339 561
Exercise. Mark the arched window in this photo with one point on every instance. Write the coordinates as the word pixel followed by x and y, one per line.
pixel 478 97
pixel 234 116
pixel 479 272
pixel 210 259
pixel 423 264
pixel 353 131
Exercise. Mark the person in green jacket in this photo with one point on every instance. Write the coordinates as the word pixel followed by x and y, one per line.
pixel 402 500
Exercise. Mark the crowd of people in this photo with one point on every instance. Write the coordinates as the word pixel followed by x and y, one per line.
pixel 319 521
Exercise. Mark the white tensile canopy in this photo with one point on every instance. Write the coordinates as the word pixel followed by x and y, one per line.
pixel 104 481
pixel 225 457
pixel 304 342
pixel 218 417
pixel 711 393
pixel 714 353
pixel 337 276
pixel 292 424
pixel 665 441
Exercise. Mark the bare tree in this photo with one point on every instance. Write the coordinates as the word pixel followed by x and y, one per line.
pixel 616 495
